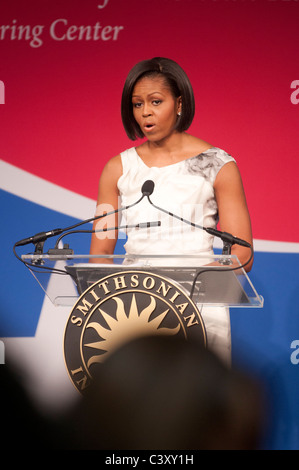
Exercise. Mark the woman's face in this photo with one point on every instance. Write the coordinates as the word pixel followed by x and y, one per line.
pixel 155 108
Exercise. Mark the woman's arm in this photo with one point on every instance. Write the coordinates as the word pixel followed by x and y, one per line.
pixel 233 211
pixel 108 199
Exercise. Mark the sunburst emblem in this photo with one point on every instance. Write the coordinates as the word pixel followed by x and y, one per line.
pixel 126 327
pixel 120 307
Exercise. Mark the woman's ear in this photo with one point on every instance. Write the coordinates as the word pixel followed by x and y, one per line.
pixel 179 106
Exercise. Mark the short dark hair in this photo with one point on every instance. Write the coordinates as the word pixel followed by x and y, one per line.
pixel 176 79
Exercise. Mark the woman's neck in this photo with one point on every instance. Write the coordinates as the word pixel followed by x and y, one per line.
pixel 176 148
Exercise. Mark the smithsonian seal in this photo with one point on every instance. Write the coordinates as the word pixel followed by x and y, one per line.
pixel 119 308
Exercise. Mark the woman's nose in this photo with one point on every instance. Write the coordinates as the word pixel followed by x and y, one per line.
pixel 146 110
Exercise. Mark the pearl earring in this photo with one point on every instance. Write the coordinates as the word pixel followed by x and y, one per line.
pixel 179 113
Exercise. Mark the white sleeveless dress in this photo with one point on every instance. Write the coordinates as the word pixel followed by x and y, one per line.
pixel 186 190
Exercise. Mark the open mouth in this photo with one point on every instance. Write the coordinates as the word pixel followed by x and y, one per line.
pixel 149 127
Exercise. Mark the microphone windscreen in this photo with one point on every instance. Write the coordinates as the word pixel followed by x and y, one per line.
pixel 147 187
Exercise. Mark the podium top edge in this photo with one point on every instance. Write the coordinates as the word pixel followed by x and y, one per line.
pixel 125 256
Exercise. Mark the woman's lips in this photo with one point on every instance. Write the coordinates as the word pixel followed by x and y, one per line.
pixel 148 127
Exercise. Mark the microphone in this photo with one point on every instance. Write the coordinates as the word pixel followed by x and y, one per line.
pixel 227 238
pixel 39 237
pixel 147 189
pixel 56 250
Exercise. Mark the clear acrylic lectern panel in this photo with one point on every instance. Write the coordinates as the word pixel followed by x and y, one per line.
pixel 209 280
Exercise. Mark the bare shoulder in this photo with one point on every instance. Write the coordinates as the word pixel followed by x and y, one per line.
pixel 229 184
pixel 111 173
pixel 228 174
pixel 113 168
pixel 197 145
pixel 114 165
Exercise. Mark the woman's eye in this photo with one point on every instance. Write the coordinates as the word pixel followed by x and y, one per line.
pixel 154 103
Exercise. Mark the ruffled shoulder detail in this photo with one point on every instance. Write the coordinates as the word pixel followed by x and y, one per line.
pixel 208 163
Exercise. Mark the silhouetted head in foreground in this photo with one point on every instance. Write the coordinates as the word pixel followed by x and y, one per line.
pixel 166 393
